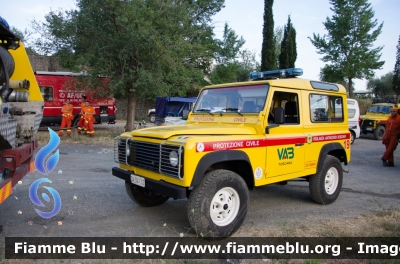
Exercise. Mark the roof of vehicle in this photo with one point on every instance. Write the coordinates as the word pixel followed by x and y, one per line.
pixel 291 83
pixel 60 73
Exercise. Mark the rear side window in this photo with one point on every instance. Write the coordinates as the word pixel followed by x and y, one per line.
pixel 352 113
pixel 326 108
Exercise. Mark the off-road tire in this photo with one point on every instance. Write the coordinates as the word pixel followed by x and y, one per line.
pixel 352 137
pixel 379 132
pixel 143 196
pixel 225 218
pixel 325 186
pixel 152 118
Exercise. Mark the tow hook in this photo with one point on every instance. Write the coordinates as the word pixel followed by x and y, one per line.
pixel 345 170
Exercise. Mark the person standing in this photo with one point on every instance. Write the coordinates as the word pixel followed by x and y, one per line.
pixel 66 118
pixel 89 119
pixel 389 139
pixel 81 123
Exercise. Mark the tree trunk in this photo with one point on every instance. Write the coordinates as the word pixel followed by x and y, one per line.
pixel 350 88
pixel 130 119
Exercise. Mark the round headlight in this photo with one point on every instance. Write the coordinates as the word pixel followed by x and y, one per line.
pixel 173 158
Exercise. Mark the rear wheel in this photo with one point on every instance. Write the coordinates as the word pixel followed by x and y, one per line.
pixel 352 136
pixel 143 196
pixel 379 132
pixel 218 205
pixel 152 118
pixel 325 186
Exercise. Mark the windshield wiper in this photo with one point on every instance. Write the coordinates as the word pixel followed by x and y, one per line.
pixel 204 110
pixel 233 110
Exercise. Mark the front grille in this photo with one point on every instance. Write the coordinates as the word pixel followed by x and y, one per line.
pixel 149 156
pixel 365 123
pixel 144 155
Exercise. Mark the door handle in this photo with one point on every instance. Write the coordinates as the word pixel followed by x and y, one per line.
pixel 299 144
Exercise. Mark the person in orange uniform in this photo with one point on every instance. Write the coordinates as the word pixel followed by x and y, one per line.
pixel 81 123
pixel 66 118
pixel 389 139
pixel 89 119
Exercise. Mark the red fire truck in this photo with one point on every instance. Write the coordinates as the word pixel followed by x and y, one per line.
pixel 56 88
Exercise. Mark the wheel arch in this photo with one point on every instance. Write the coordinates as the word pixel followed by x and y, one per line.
pixel 233 160
pixel 334 149
pixel 381 124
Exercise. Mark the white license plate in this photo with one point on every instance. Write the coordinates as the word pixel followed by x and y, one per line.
pixel 138 180
pixel 369 128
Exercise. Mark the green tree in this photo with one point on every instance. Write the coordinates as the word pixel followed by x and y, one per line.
pixel 268 58
pixel 396 73
pixel 227 54
pixel 278 34
pixel 24 36
pixel 225 73
pixel 248 64
pixel 288 54
pixel 330 74
pixel 146 48
pixel 229 47
pixel 352 30
pixel 381 86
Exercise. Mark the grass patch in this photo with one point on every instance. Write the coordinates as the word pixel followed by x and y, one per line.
pixel 104 134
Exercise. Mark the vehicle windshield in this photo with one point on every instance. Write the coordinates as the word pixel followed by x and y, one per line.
pixel 381 109
pixel 237 99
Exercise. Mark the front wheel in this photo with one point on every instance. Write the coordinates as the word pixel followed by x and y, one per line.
pixel 325 186
pixel 218 205
pixel 143 196
pixel 379 132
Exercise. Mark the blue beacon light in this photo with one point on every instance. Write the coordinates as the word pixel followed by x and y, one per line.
pixel 282 73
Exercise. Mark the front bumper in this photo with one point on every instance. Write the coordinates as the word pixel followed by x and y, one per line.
pixel 105 118
pixel 161 187
pixel 367 126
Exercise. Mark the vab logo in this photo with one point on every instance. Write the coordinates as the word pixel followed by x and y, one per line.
pixel 45 151
pixel 40 167
pixel 35 199
pixel 286 153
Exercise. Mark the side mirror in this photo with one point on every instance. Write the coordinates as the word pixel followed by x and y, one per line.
pixel 279 118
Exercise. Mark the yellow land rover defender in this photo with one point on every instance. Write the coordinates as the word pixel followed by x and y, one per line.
pixel 374 121
pixel 239 136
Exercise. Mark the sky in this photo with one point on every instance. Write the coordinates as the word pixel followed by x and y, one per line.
pixel 246 19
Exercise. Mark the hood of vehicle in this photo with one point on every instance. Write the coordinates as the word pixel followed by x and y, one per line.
pixel 374 116
pixel 164 132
